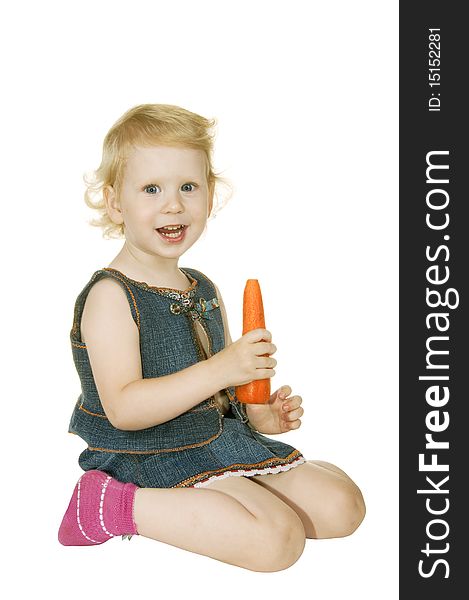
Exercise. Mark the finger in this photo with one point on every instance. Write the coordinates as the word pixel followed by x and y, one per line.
pixel 266 362
pixel 264 348
pixel 258 335
pixel 284 391
pixel 264 373
pixel 293 402
pixel 295 414
pixel 290 424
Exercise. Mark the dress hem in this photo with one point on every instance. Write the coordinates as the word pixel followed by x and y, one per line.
pixel 250 472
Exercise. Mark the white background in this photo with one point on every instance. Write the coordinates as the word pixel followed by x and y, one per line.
pixel 305 95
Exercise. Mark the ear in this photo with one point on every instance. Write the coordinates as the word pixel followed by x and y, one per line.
pixel 112 203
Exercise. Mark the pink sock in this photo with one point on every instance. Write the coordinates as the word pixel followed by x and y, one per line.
pixel 100 508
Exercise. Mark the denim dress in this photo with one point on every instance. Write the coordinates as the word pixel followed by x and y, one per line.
pixel 201 445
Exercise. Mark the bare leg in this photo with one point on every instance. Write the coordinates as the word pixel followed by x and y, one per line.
pixel 233 520
pixel 327 501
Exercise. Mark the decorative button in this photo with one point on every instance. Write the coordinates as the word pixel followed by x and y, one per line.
pixel 175 309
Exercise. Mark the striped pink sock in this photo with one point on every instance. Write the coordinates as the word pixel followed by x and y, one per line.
pixel 100 508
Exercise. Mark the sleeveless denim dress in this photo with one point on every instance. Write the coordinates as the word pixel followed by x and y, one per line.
pixel 202 444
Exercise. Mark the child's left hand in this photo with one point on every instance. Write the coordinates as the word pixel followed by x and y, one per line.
pixel 279 415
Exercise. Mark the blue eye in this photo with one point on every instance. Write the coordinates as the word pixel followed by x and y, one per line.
pixel 150 187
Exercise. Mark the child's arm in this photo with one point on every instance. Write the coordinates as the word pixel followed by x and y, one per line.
pixel 131 402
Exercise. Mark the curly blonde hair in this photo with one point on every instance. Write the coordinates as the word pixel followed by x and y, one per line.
pixel 147 125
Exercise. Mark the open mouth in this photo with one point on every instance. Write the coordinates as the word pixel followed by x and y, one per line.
pixel 172 233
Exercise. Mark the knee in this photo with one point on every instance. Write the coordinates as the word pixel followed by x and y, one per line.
pixel 347 508
pixel 282 543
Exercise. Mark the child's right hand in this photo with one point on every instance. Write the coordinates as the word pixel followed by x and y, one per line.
pixel 243 361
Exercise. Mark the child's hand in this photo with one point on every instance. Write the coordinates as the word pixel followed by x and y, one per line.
pixel 242 361
pixel 279 415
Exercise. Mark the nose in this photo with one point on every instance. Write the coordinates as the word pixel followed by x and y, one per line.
pixel 172 203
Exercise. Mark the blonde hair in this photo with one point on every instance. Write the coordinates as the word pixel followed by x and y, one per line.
pixel 147 125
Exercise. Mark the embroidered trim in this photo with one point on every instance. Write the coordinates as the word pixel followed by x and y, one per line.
pixel 201 309
pixel 162 291
pixel 251 472
pixel 184 298
pixel 248 470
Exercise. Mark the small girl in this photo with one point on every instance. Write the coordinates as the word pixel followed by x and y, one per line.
pixel 172 454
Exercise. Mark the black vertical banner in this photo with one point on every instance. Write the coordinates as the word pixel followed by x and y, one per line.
pixel 433 263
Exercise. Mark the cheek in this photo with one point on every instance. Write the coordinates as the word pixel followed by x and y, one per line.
pixel 141 213
pixel 201 210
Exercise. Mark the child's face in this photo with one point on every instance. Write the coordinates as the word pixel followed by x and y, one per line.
pixel 162 186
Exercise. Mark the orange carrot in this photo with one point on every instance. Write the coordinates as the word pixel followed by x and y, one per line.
pixel 257 391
